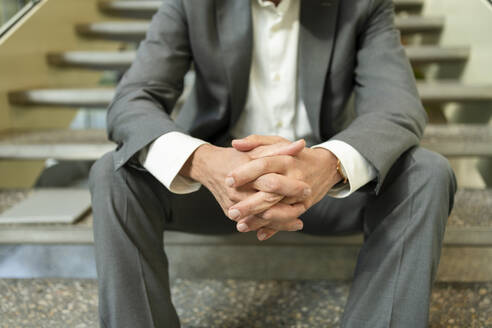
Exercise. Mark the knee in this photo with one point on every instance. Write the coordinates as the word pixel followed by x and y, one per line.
pixel 434 168
pixel 435 173
pixel 107 185
pixel 101 172
pixel 108 195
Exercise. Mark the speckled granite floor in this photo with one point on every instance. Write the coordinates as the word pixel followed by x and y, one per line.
pixel 231 303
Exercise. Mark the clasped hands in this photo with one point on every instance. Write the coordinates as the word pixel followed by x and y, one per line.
pixel 264 183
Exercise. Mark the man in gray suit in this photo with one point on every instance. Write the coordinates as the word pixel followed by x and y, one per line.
pixel 270 72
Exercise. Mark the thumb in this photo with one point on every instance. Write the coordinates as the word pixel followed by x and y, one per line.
pixel 253 141
pixel 243 145
pixel 290 149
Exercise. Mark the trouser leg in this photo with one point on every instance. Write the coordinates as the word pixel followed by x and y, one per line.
pixel 404 228
pixel 131 210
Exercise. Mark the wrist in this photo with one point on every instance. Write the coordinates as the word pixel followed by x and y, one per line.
pixel 196 165
pixel 330 161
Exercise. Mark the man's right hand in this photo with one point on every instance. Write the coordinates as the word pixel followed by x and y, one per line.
pixel 210 166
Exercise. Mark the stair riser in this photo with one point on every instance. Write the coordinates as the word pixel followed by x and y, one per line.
pixel 308 262
pixel 434 71
pixel 190 257
pixel 336 262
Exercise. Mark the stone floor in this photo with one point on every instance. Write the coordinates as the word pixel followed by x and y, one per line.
pixel 231 303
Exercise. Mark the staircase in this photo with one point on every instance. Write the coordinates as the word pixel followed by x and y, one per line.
pixel 466 261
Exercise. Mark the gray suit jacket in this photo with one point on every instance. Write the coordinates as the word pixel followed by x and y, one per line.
pixel 345 46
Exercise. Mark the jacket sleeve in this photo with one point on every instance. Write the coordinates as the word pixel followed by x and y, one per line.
pixel 147 93
pixel 390 117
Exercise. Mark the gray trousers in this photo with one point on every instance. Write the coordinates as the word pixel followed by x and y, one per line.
pixel 403 227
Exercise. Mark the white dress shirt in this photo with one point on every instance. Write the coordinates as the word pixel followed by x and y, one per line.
pixel 272 106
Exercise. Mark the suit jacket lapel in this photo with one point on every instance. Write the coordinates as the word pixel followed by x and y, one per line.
pixel 235 36
pixel 318 20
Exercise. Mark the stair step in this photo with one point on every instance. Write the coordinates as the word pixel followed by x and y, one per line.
pixel 470 224
pixel 435 54
pixel 467 252
pixel 433 92
pixel 121 60
pixel 458 140
pixel 215 303
pixel 57 144
pixel 135 31
pixel 147 8
pixel 449 140
pixel 119 31
pixel 445 92
pixel 49 206
pixel 90 97
pixel 104 60
pixel 129 8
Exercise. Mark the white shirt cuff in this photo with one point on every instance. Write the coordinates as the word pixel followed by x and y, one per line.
pixel 356 168
pixel 165 157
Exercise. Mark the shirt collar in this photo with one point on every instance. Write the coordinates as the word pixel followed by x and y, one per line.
pixel 281 9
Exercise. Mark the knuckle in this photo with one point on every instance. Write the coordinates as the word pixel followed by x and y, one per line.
pixel 271 198
pixel 299 189
pixel 234 196
pixel 260 222
pixel 234 176
pixel 251 155
pixel 226 203
pixel 274 226
pixel 264 164
pixel 289 161
pixel 272 183
pixel 253 223
pixel 298 174
pixel 267 215
pixel 289 200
